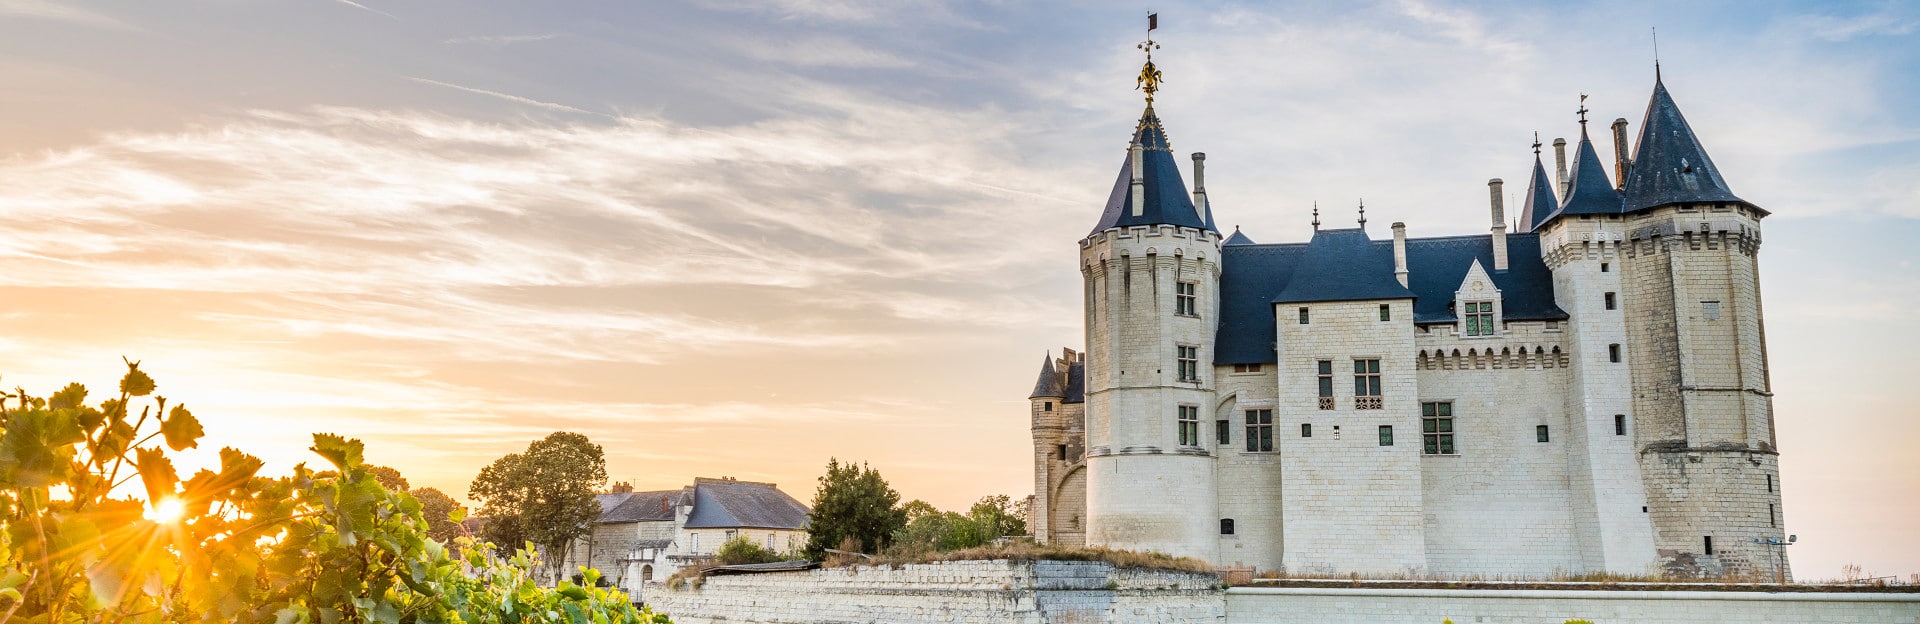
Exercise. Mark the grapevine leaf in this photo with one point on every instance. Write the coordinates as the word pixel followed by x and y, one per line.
pixel 181 429
pixel 136 383
pixel 341 452
pixel 157 472
pixel 74 395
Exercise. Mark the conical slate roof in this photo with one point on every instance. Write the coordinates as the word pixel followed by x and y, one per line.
pixel 1051 383
pixel 1167 200
pixel 1237 238
pixel 1540 201
pixel 1590 192
pixel 1670 166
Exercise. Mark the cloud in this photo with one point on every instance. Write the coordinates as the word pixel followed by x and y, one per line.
pixel 499 40
pixel 61 12
pixel 822 52
pixel 508 97
pixel 1832 28
pixel 366 8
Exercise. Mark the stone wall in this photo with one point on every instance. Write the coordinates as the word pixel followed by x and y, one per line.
pixel 983 592
pixel 1259 605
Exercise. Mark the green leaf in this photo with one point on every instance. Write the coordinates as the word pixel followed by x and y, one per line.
pixel 343 453
pixel 136 383
pixel 572 591
pixel 181 429
pixel 157 472
pixel 74 395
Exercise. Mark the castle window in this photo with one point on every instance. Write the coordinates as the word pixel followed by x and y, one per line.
pixel 1620 425
pixel 1479 318
pixel 1604 267
pixel 1540 433
pixel 1049 405
pixel 1226 526
pixel 1222 431
pixel 1709 544
pixel 1062 450
pixel 1303 316
pixel 1386 312
pixel 1366 384
pixel 1184 301
pixel 1247 368
pixel 1326 384
pixel 1772 520
pixel 1436 427
pixel 1260 431
pixel 1611 302
pixel 1769 483
pixel 1710 310
pixel 1189 361
pixel 1613 353
pixel 1306 430
pixel 1189 425
pixel 1386 435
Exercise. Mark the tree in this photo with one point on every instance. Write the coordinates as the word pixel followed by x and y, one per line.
pixel 998 517
pixel 438 509
pixel 853 502
pixel 739 549
pixel 916 508
pixel 544 495
pixel 389 478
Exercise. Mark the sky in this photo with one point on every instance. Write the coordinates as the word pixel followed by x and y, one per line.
pixel 729 238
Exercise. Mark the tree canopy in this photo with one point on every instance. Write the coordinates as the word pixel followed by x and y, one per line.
pixel 853 502
pixel 544 495
pixel 990 518
pixel 438 509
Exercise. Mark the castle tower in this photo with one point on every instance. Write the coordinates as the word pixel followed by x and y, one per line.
pixel 1580 242
pixel 1059 452
pixel 1691 289
pixel 1151 274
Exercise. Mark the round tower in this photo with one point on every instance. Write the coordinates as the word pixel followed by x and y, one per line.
pixel 1151 270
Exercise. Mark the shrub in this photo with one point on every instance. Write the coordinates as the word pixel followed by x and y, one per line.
pixel 739 550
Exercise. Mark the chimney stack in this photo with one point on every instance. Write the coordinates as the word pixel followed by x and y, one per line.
pixel 1559 163
pixel 1400 252
pixel 1200 185
pixel 1620 162
pixel 1494 191
pixel 1139 179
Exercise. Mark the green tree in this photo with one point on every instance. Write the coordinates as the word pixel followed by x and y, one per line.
pixel 998 517
pixel 438 509
pixel 853 502
pixel 916 508
pixel 389 478
pixel 739 550
pixel 545 495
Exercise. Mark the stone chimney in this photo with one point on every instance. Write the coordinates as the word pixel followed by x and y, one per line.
pixel 1620 162
pixel 1559 163
pixel 1400 252
pixel 1497 196
pixel 1200 185
pixel 1139 179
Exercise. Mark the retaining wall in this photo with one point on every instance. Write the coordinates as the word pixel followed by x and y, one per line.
pixel 1262 605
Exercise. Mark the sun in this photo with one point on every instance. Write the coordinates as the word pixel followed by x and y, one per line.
pixel 167 511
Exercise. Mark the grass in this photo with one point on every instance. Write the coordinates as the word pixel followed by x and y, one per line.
pixel 1027 551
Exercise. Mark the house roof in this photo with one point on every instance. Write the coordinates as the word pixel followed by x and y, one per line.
pixel 1253 278
pixel 637 506
pixel 725 503
pixel 1670 166
pixel 1167 200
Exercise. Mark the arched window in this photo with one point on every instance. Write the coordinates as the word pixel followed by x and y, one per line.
pixel 646 573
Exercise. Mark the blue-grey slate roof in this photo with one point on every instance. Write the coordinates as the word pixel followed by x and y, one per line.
pixel 1167 200
pixel 637 506
pixel 1670 166
pixel 1237 238
pixel 1050 383
pixel 1253 279
pixel 723 503
pixel 1339 265
pixel 1540 201
pixel 1076 382
pixel 1589 192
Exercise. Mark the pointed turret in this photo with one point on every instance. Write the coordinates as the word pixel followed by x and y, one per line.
pixel 1589 190
pixel 1237 238
pixel 1163 196
pixel 1051 383
pixel 1669 164
pixel 1540 200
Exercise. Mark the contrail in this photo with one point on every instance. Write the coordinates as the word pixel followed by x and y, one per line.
pixel 510 97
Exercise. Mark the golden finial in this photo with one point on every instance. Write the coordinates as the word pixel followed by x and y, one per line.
pixel 1149 80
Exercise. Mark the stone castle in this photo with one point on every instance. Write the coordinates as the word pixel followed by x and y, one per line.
pixel 1585 393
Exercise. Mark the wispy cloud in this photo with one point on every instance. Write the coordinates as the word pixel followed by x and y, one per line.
pixel 366 8
pixel 499 40
pixel 61 12
pixel 1833 28
pixel 508 97
pixel 822 52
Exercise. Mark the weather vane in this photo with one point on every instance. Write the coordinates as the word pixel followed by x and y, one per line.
pixel 1583 109
pixel 1149 80
pixel 1536 142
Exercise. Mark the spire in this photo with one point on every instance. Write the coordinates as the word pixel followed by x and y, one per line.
pixel 1149 80
pixel 1670 166
pixel 1051 383
pixel 1163 198
pixel 1363 213
pixel 1540 201
pixel 1316 216
pixel 1589 190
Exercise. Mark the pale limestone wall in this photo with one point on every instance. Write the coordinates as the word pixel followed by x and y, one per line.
pixel 981 592
pixel 1059 470
pixel 1143 485
pixel 1248 484
pixel 1349 504
pixel 1252 605
pixel 1610 496
pixel 1503 505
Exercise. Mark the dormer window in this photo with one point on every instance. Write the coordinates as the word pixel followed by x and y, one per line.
pixel 1479 318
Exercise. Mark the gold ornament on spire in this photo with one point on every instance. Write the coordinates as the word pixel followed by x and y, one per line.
pixel 1149 80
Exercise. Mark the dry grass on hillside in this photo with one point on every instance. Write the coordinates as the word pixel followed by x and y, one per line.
pixel 1027 551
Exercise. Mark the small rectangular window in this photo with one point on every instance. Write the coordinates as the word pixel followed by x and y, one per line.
pixel 1260 430
pixel 1769 483
pixel 1306 430
pixel 1611 302
pixel 1710 310
pixel 1222 432
pixel 1436 427
pixel 1226 526
pixel 1479 318
pixel 1324 369
pixel 1604 267
pixel 1062 450
pixel 1049 406
pixel 1189 423
pixel 1184 299
pixel 1247 368
pixel 1613 353
pixel 1386 312
pixel 1619 424
pixel 1188 359
pixel 1386 435
pixel 1772 520
pixel 1303 316
pixel 1709 543
pixel 1540 433
pixel 1366 384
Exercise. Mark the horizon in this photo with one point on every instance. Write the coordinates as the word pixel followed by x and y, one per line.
pixel 726 239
